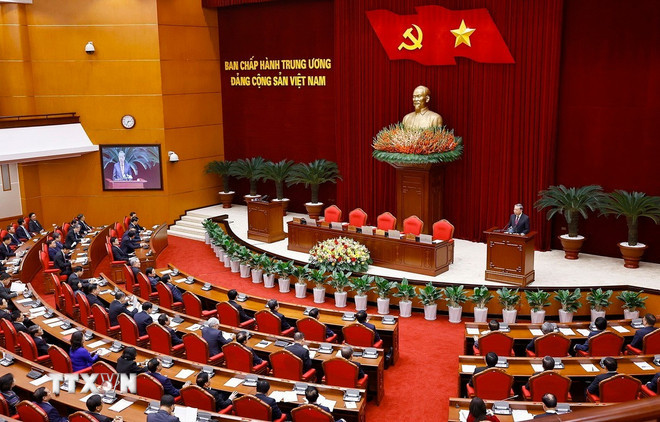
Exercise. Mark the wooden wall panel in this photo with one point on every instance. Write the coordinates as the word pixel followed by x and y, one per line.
pixel 85 12
pixel 191 110
pixel 180 42
pixel 203 76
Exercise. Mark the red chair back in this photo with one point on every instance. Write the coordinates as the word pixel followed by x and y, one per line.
pixel 194 396
pixel 60 360
pixel 160 339
pixel 129 278
pixel 552 344
pixel 4 407
pixel 197 349
pixel 84 309
pixel 358 335
pixel 120 229
pixel 332 214
pixel 192 304
pixel 248 406
pixel 310 413
pixel 619 388
pixel 312 329
pixel 340 372
pixel 129 329
pixel 268 322
pixel 165 298
pixel 65 229
pixel 605 343
pixel 3 233
pixel 443 230
pixel 81 416
pixel 11 338
pixel 101 319
pixel 69 300
pixel 386 221
pixel 497 342
pixel 357 217
pixel 237 357
pixel 227 314
pixel 127 222
pixel 492 384
pixel 549 382
pixel 145 286
pixel 109 373
pixel 28 347
pixel 44 260
pixel 150 387
pixel 286 365
pixel 413 225
pixel 651 343
pixel 29 411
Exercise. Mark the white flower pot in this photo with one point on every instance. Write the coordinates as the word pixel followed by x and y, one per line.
pixel 256 275
pixel 221 254
pixel 360 302
pixel 630 315
pixel 340 299
pixel 480 314
pixel 301 290
pixel 245 271
pixel 319 294
pixel 269 281
pixel 235 266
pixel 431 312
pixel 596 314
pixel 207 238
pixel 509 316
pixel 383 305
pixel 565 316
pixel 538 317
pixel 455 314
pixel 405 308
pixel 285 284
pixel 227 261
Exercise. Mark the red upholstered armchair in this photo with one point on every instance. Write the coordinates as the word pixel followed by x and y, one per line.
pixel 117 267
pixel 551 344
pixel 29 349
pixel 62 362
pixel 102 322
pixel 343 373
pixel 100 367
pixel 310 413
pixel 491 384
pixel 84 309
pixel 495 341
pixel 413 225
pixel 47 271
pixel 4 408
pixel 386 221
pixel 314 330
pixel 81 416
pixel 130 332
pixel 647 392
pixel 71 308
pixel 145 289
pixel 29 411
pixel 59 296
pixel 332 214
pixel 194 396
pixel 248 406
pixel 197 349
pixel 548 382
pixel 650 345
pixel 239 358
pixel 228 315
pixel 166 299
pixel 289 366
pixel 618 388
pixel 161 341
pixel 268 322
pixel 10 335
pixel 605 343
pixel 357 217
pixel 129 278
pixel 193 306
pixel 444 230
pixel 150 387
pixel 361 336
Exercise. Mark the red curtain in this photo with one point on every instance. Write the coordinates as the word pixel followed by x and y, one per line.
pixel 506 114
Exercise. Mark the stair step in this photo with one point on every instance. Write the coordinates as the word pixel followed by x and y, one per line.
pixel 192 219
pixel 191 224
pixel 187 235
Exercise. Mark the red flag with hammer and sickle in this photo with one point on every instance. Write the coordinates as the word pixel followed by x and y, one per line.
pixel 436 35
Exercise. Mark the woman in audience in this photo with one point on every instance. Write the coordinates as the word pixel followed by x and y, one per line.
pixel 478 412
pixel 126 363
pixel 80 357
pixel 6 385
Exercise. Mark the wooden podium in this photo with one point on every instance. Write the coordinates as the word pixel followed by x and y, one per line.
pixel 510 257
pixel 265 221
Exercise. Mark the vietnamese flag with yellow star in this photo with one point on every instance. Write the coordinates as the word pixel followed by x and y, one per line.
pixel 436 35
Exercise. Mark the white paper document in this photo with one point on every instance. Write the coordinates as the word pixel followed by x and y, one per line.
pixel 277 395
pixel 589 367
pixel 17 287
pixel 330 404
pixel 644 366
pixel 96 344
pixel 40 381
pixel 537 367
pixel 179 280
pixel 84 399
pixel 51 320
pixel 36 314
pixel 583 332
pixel 463 415
pixel 521 415
pixel 24 300
pixel 233 382
pixel 102 351
pixel 468 368
pixel 56 324
pixel 37 310
pixel 312 353
pixel 166 272
pixel 472 331
pixel 185 413
pixel 350 405
pixel 536 332
pixel 69 331
pixel 194 327
pixel 263 344
pixel 184 373
pixel 567 331
pixel 120 405
pixel 290 397
pixel 620 329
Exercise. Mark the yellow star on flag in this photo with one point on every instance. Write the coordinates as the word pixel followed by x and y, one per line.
pixel 462 34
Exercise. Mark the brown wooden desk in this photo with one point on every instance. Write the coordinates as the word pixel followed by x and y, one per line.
pixel 399 254
pixel 535 408
pixel 510 257
pixel 157 242
pixel 30 265
pixel 92 247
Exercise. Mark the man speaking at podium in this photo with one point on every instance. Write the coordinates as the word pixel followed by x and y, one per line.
pixel 518 222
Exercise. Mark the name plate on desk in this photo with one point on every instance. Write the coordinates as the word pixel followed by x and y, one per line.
pixel 394 234
pixel 367 230
pixel 410 236
pixel 311 222
pixel 380 232
pixel 425 238
pixel 351 229
pixel 297 220
pixel 324 224
pixel 336 226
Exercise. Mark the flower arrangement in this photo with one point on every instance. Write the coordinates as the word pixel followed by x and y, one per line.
pixel 398 144
pixel 340 254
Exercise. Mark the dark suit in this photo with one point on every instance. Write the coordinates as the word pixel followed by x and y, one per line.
pixel 241 312
pixel 20 327
pixel 256 360
pixel 84 227
pixel 221 401
pixel 99 417
pixel 593 387
pixel 73 281
pixel 118 254
pixel 7 294
pixel 373 328
pixel 530 345
pixel 34 226
pixel 162 416
pixel 129 245
pixel 214 338
pixel 6 251
pixel 585 346
pixel 176 340
pixel 118 174
pixel 22 233
pixel 53 414
pixel 93 299
pixel 653 384
pixel 320 406
pixel 167 384
pixel 5 315
pixel 153 281
pixel 63 264
pixel 285 323
pixel 138 228
pixel 361 373
pixel 42 346
pixel 543 415
pixel 302 353
pixel 638 341
pixel 71 238
pixel 143 319
pixel 521 227
pixel 117 308
pixel 276 413
pixel 176 293
pixel 52 252
pixel 14 239
pixel 125 366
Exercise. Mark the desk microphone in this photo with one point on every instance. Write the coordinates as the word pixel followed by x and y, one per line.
pixel 264 198
pixel 509 398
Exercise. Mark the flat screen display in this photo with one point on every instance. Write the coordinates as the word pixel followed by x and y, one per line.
pixel 131 167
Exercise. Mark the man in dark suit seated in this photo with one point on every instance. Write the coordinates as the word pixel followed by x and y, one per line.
pixel 518 222
pixel 361 317
pixel 61 262
pixel 4 313
pixel 95 406
pixel 153 278
pixel 143 319
pixel 165 322
pixel 75 281
pixel 601 325
pixel 92 294
pixel 135 224
pixel 154 367
pixel 134 263
pixel 653 384
pixel 314 313
pixel 130 242
pixel 15 241
pixel 493 325
pixel 221 402
pixel 119 306
pixel 549 406
pixel 42 396
pixel 117 253
pixel 546 328
pixel 241 338
pixel 53 249
pixel 126 363
pixel 73 237
pixel 611 365
pixel 231 295
pixel 5 248
pixel 177 296
pixel 347 353
pixel 548 365
pixel 5 290
pixel 491 361
pixel 34 226
pixel 80 220
pixel 213 336
pixel 274 306
pixel 17 319
pixel 262 394
pixel 649 326
pixel 22 232
pixel 164 414
pixel 298 348
pixel 37 335
pixel 312 395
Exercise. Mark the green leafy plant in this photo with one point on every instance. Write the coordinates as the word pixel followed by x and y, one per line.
pixel 632 206
pixel 480 297
pixel 537 299
pixel 278 173
pixel 632 300
pixel 313 175
pixel 145 157
pixel 405 291
pixel 571 203
pixel 301 273
pixel 268 264
pixel 383 287
pixel 508 298
pixel 250 169
pixel 570 302
pixel 318 277
pixel 221 169
pixel 255 261
pixel 340 280
pixel 361 285
pixel 244 255
pixel 599 299
pixel 284 269
pixel 430 294
pixel 455 295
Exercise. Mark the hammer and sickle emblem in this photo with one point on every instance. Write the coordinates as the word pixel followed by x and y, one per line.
pixel 416 41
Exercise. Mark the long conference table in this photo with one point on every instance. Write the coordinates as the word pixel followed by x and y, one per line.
pixel 399 254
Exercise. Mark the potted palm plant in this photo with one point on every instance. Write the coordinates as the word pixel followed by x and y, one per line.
pixel 257 263
pixel 340 280
pixel 246 258
pixel 319 279
pixel 572 203
pixel 230 248
pixel 301 274
pixel 383 288
pixel 537 300
pixel 284 270
pixel 406 293
pixel 223 170
pixel 361 286
pixel 632 206
pixel 570 302
pixel 278 173
pixel 455 297
pixel 252 170
pixel 312 175
pixel 598 300
pixel 509 299
pixel 429 297
pixel 632 302
pixel 480 297
pixel 269 271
